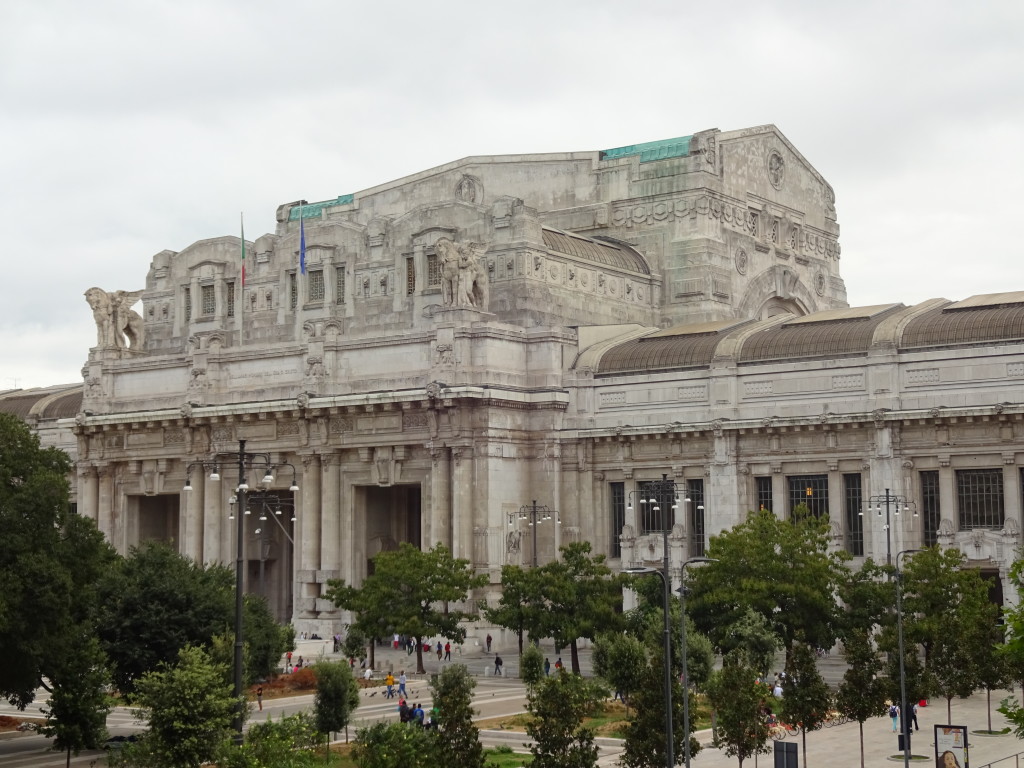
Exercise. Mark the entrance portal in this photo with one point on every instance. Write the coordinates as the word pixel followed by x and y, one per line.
pixel 393 516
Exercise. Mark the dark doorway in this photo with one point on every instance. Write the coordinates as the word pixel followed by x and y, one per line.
pixel 393 516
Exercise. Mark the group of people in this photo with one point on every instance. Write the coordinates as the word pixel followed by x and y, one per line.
pixel 894 715
pixel 444 650
pixel 389 683
pixel 289 667
pixel 416 715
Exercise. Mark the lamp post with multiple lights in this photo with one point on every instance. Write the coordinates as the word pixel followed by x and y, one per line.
pixel 887 501
pixel 904 720
pixel 245 461
pixel 536 514
pixel 686 677
pixel 659 497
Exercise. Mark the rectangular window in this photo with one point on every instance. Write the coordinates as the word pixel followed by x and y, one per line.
pixel 655 500
pixel 293 291
pixel 231 298
pixel 810 490
pixel 979 495
pixel 188 302
pixel 410 276
pixel 618 494
pixel 764 493
pixel 930 508
pixel 698 533
pixel 433 271
pixel 209 299
pixel 316 285
pixel 339 283
pixel 852 501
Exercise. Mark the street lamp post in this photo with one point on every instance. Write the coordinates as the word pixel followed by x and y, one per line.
pixel 244 460
pixel 901 503
pixel 661 496
pixel 904 720
pixel 686 677
pixel 536 514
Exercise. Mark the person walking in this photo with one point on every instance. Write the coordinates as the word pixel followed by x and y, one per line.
pixel 488 642
pixel 913 716
pixel 447 651
pixel 498 663
pixel 389 681
pixel 401 683
pixel 894 715
pixel 547 666
pixel 259 696
pixel 440 650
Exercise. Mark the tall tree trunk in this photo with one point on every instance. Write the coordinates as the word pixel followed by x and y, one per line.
pixel 803 738
pixel 575 653
pixel 988 706
pixel 860 725
pixel 949 710
pixel 520 634
pixel 419 658
pixel 373 648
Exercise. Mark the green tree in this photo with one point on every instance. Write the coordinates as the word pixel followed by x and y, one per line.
pixel 581 598
pixel 781 569
pixel 405 592
pixel 337 696
pixel 50 562
pixel 458 737
pixel 521 607
pixel 738 698
pixel 752 635
pixel 265 639
pixel 354 644
pixel 531 666
pixel 189 709
pixel 993 669
pixel 645 732
pixel 156 603
pixel 77 713
pixel 621 659
pixel 559 705
pixel 807 700
pixel 286 743
pixel 396 745
pixel 862 694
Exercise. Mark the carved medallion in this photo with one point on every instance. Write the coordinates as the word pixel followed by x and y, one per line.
pixel 741 261
pixel 776 169
pixel 819 283
pixel 468 189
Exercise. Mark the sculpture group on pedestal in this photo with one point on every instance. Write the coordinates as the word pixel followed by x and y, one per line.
pixel 118 326
pixel 464 280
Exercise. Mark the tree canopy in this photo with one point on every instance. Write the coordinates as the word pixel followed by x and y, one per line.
pixel 50 563
pixel 410 593
pixel 780 569
pixel 155 603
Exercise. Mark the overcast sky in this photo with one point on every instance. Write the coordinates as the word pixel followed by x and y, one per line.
pixel 130 127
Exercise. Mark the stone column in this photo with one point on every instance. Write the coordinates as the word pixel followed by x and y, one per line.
pixel 330 516
pixel 308 536
pixel 88 491
pixel 105 502
pixel 947 496
pixel 1011 489
pixel 439 529
pixel 462 502
pixel 780 495
pixel 190 524
pixel 836 506
pixel 214 521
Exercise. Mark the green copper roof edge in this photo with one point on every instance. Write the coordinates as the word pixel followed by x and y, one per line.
pixel 651 150
pixel 312 210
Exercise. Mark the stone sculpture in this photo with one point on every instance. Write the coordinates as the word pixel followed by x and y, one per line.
pixel 118 326
pixel 464 281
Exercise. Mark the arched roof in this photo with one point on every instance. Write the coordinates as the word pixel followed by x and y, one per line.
pixel 832 333
pixel 601 252
pixel 981 319
pixel 57 402
pixel 684 346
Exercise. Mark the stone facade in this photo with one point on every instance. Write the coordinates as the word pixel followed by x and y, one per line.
pixel 561 328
